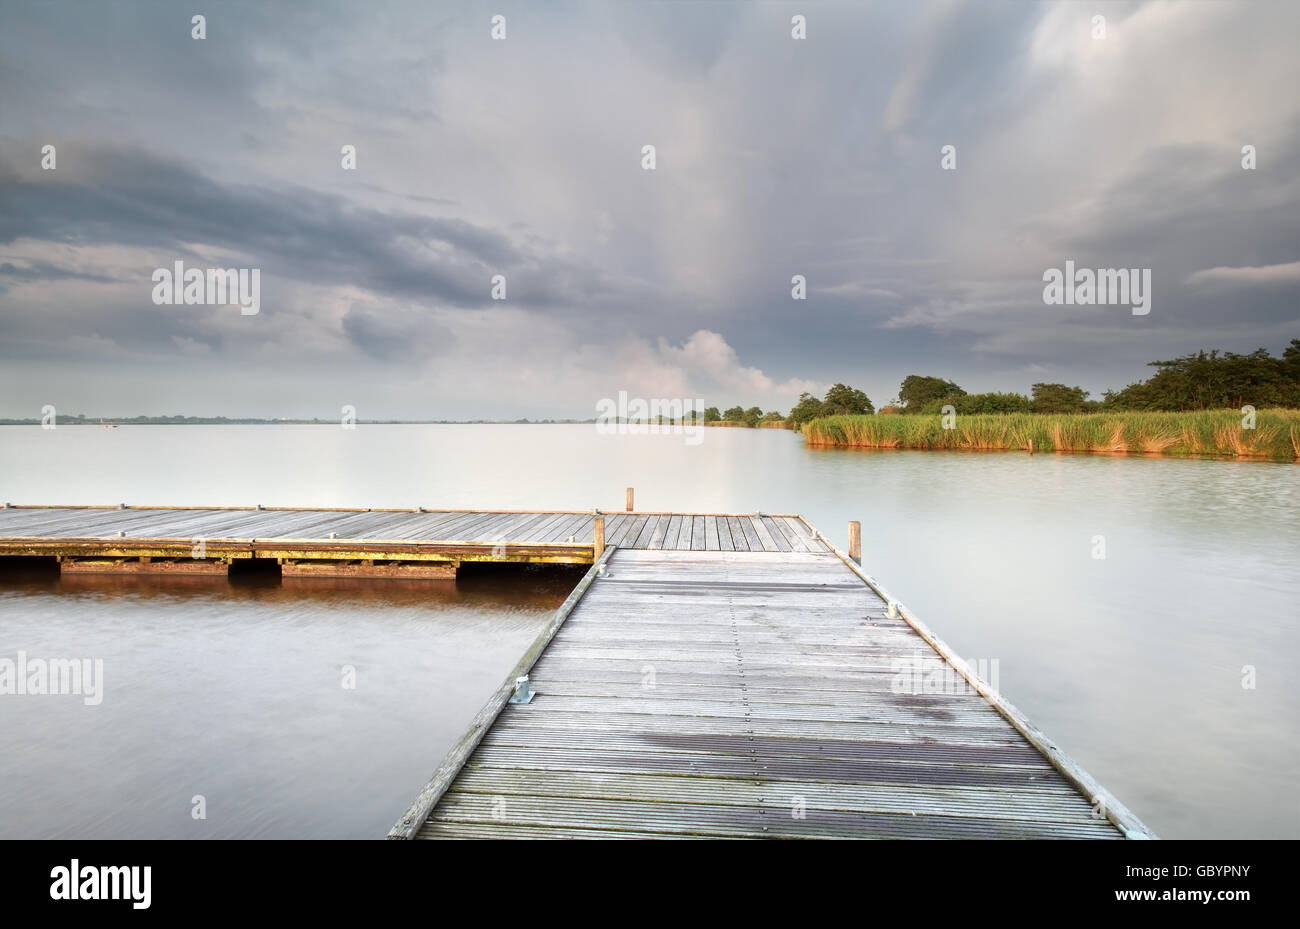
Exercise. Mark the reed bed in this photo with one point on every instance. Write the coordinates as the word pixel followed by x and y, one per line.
pixel 1211 433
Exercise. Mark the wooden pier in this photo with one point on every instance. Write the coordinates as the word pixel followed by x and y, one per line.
pixel 416 542
pixel 711 675
pixel 751 694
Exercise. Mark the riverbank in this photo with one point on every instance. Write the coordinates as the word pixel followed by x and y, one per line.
pixel 1213 433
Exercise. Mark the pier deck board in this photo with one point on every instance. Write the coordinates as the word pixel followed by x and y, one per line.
pixel 244 532
pixel 747 694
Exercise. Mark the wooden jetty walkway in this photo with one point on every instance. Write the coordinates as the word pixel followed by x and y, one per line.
pixel 416 542
pixel 751 694
pixel 711 675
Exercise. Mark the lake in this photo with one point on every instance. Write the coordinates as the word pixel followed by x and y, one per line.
pixel 1126 600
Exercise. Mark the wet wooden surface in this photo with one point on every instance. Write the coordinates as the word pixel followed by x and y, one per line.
pixel 21 526
pixel 749 694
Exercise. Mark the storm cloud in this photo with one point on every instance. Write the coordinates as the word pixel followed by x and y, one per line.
pixel 521 158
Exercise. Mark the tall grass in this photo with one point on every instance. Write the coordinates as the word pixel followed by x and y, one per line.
pixel 1212 433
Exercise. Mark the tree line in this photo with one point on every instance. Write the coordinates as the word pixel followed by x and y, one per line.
pixel 840 399
pixel 1204 380
pixel 1200 381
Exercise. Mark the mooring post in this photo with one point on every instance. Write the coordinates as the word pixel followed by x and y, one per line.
pixel 855 541
pixel 630 494
pixel 600 537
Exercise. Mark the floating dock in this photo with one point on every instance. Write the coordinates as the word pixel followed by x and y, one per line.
pixel 416 542
pixel 711 675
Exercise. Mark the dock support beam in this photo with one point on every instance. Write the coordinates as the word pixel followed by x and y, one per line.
pixel 855 541
pixel 631 493
pixel 436 570
pixel 142 566
pixel 600 537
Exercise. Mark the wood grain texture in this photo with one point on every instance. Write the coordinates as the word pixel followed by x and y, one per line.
pixel 751 694
pixel 414 534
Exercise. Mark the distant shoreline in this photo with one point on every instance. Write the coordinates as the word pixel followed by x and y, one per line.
pixel 250 421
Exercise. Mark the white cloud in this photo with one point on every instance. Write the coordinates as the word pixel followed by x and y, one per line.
pixel 1248 276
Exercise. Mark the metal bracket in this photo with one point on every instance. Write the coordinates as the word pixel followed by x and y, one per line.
pixel 524 692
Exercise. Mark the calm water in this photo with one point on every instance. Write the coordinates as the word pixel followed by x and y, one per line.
pixel 1132 662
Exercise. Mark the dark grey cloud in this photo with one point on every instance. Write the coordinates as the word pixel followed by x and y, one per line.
pixel 45 271
pixel 401 335
pixel 135 198
pixel 521 158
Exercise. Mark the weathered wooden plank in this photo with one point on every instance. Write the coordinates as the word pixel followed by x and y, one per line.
pixel 739 540
pixel 544 528
pixel 684 533
pixel 573 527
pixel 778 537
pixel 616 526
pixel 1064 807
pixel 648 531
pixel 765 746
pixel 805 533
pixel 669 532
pixel 764 536
pixel 442 778
pixel 746 524
pixel 725 821
pixel 698 532
pixel 498 751
pixel 631 530
pixel 700 692
pixel 724 535
pixel 711 541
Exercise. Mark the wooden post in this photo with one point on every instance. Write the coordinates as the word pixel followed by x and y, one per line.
pixel 630 494
pixel 855 541
pixel 600 537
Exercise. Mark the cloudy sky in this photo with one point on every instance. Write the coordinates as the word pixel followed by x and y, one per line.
pixel 523 157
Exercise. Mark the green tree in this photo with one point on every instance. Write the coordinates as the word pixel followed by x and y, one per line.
pixel 842 400
pixel 993 403
pixel 1216 380
pixel 1057 398
pixel 711 415
pixel 973 404
pixel 918 391
pixel 772 416
pixel 753 416
pixel 734 414
pixel 808 408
